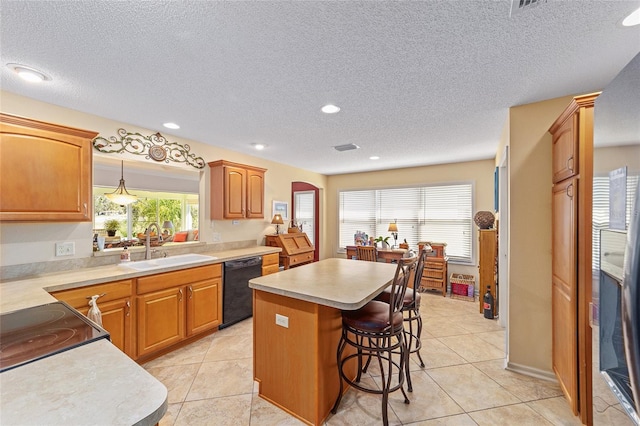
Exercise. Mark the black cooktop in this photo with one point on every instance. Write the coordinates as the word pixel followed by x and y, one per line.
pixel 41 331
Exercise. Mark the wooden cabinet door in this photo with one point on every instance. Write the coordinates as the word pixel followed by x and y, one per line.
pixel 234 192
pixel 255 194
pixel 116 319
pixel 237 191
pixel 204 306
pixel 160 319
pixel 45 171
pixel 564 289
pixel 565 150
pixel 487 266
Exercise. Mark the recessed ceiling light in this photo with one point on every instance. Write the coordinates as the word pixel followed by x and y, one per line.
pixel 330 109
pixel 258 146
pixel 632 19
pixel 29 74
pixel 374 157
pixel 170 125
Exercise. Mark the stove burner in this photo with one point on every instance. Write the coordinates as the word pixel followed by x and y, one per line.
pixel 41 331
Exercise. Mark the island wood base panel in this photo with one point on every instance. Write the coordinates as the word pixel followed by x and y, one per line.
pixel 296 366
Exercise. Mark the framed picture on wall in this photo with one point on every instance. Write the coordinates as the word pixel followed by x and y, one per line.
pixel 281 207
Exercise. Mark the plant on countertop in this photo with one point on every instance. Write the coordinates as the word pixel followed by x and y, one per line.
pixel 111 226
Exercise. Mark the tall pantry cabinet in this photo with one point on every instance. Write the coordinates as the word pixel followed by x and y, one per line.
pixel 572 164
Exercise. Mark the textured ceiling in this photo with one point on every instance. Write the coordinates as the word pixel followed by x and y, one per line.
pixel 419 82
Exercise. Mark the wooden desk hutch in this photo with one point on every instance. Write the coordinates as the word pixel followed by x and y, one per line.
pixel 296 248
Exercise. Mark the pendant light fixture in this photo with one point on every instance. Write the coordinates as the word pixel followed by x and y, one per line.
pixel 121 195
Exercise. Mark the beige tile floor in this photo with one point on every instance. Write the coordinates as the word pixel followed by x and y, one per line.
pixel 210 382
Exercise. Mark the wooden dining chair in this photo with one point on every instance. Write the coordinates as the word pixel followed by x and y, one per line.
pixel 367 253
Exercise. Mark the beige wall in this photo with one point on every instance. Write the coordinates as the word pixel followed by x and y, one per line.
pixel 611 158
pixel 26 243
pixel 529 252
pixel 478 172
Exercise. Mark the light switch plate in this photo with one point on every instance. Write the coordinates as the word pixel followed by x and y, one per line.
pixel 282 321
pixel 67 248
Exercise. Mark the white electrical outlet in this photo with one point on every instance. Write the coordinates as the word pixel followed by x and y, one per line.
pixel 217 237
pixel 282 321
pixel 67 248
pixel 235 222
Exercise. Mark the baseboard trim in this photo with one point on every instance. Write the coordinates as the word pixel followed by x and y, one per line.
pixel 530 371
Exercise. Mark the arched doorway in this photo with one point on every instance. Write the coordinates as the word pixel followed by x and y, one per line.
pixel 305 207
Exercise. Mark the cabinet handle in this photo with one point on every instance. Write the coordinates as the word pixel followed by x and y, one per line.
pixel 570 163
pixel 180 291
pixel 570 191
pixel 100 295
pixel 190 292
pixel 128 308
pixel 86 213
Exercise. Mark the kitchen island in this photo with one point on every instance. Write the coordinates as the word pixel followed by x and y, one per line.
pixel 297 326
pixel 90 384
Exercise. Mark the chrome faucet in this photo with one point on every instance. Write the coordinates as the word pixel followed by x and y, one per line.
pixel 147 251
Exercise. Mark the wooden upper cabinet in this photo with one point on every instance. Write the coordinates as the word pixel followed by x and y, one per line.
pixel 237 191
pixel 255 193
pixel 565 150
pixel 568 132
pixel 45 171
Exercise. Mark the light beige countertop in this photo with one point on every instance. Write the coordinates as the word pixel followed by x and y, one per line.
pixel 339 283
pixel 91 384
pixel 33 291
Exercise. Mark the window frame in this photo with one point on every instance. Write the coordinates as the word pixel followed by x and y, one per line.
pixel 470 260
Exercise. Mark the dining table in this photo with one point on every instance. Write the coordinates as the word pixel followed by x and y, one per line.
pixel 388 255
pixel 297 324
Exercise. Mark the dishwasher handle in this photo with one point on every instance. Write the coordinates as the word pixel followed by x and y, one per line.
pixel 243 263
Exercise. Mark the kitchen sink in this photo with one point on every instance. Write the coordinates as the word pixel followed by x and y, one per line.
pixel 164 262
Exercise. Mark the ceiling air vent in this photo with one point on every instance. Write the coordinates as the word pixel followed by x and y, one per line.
pixel 346 147
pixel 518 6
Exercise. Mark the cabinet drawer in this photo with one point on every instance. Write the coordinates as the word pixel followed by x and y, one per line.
pixel 433 265
pixel 301 258
pixel 431 283
pixel 271 269
pixel 177 278
pixel 433 273
pixel 270 259
pixel 79 297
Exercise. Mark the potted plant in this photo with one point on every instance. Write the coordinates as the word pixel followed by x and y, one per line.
pixel 384 241
pixel 111 226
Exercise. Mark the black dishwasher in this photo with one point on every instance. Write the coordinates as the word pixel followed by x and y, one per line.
pixel 237 297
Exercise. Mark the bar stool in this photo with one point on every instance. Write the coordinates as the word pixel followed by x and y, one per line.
pixel 410 307
pixel 376 331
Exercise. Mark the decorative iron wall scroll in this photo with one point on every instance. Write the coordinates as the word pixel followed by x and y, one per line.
pixel 155 147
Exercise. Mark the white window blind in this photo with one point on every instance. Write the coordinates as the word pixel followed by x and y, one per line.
pixel 600 211
pixel 428 213
pixel 305 213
